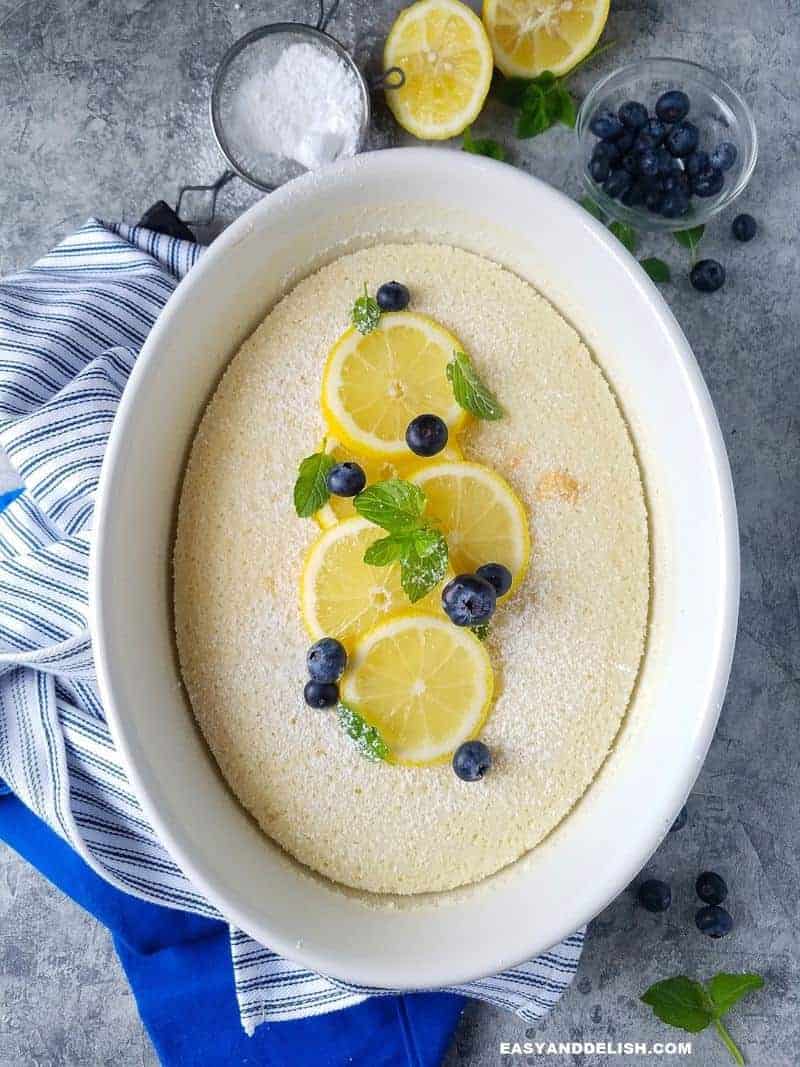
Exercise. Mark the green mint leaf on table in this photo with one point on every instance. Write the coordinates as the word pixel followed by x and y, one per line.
pixel 533 119
pixel 424 563
pixel 483 146
pixel 690 238
pixel 311 489
pixel 367 738
pixel 656 268
pixel 365 314
pixel 594 209
pixel 562 106
pixel 692 1006
pixel 395 505
pixel 511 91
pixel 469 391
pixel 625 234
pixel 481 631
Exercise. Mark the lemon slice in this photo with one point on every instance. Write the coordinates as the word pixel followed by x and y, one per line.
pixel 442 48
pixel 341 595
pixel 376 470
pixel 479 513
pixel 531 36
pixel 374 384
pixel 425 684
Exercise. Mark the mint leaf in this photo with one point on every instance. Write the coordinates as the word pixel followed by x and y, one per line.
pixel 511 91
pixel 483 146
pixel 469 391
pixel 395 505
pixel 365 314
pixel 726 990
pixel 656 268
pixel 424 563
pixel 690 238
pixel 625 234
pixel 311 489
pixel 367 738
pixel 594 209
pixel 561 106
pixel 680 1002
pixel 481 631
pixel 534 118
pixel 386 550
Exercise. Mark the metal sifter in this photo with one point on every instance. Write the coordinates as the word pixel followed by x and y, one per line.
pixel 264 144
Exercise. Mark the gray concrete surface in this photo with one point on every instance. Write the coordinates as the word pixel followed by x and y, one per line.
pixel 103 111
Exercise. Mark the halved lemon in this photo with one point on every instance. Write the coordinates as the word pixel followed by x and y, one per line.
pixel 341 595
pixel 374 384
pixel 479 513
pixel 442 49
pixel 425 684
pixel 531 36
pixel 376 470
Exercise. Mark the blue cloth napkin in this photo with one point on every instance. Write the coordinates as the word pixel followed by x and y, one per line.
pixel 70 330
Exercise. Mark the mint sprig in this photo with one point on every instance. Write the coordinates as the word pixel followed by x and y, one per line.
pixel 656 268
pixel 366 314
pixel 690 239
pixel 469 391
pixel 483 146
pixel 421 550
pixel 694 1006
pixel 367 738
pixel 311 487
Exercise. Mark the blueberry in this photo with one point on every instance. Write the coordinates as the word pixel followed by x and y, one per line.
pixel 724 155
pixel 599 169
pixel 426 435
pixel 682 139
pixel 666 163
pixel 468 600
pixel 606 150
pixel 618 182
pixel 714 921
pixel 675 204
pixel 648 163
pixel 496 575
pixel 697 162
pixel 707 275
pixel 633 114
pixel 711 887
pixel 708 183
pixel 676 182
pixel 630 162
pixel 654 895
pixel 654 130
pixel 605 124
pixel 393 296
pixel 653 199
pixel 471 761
pixel 634 195
pixel 744 227
pixel 326 660
pixel 321 694
pixel 680 820
pixel 346 479
pixel 672 106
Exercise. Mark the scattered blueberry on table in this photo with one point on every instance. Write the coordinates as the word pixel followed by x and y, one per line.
pixel 654 895
pixel 326 660
pixel 469 600
pixel 471 761
pixel 393 296
pixel 426 435
pixel 711 887
pixel 707 275
pixel 346 479
pixel 713 921
pixel 656 160
pixel 744 227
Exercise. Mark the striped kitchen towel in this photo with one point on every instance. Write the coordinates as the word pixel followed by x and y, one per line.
pixel 70 330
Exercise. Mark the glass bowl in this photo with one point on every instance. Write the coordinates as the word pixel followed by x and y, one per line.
pixel 716 109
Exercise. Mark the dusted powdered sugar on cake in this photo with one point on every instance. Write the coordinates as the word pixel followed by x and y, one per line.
pixel 565 647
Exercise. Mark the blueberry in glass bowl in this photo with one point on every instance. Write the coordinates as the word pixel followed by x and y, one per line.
pixel 664 144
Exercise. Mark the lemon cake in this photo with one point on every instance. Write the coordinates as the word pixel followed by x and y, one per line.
pixel 545 485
